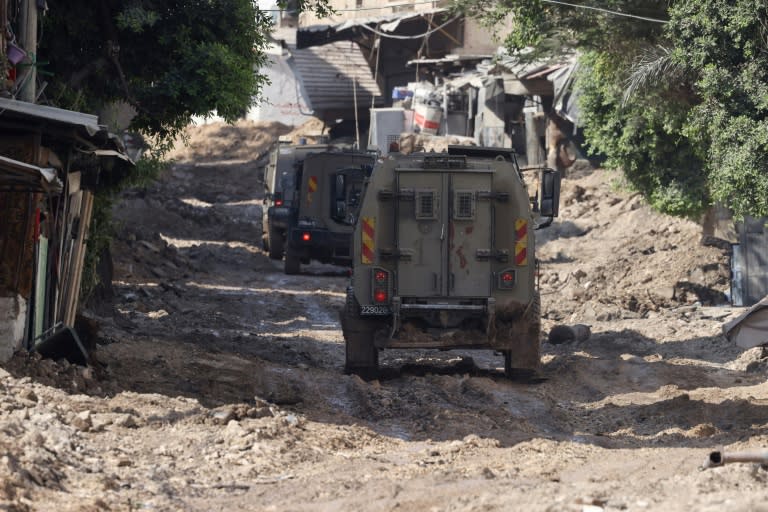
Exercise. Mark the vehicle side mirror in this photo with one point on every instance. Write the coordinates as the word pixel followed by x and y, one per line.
pixel 549 193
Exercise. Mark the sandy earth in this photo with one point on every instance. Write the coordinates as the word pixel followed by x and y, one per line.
pixel 218 383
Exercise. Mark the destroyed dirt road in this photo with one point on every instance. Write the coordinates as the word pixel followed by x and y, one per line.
pixel 220 385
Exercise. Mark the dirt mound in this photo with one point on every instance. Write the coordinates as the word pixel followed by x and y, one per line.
pixel 609 256
pixel 243 140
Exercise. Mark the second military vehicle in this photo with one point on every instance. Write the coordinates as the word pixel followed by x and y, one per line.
pixel 444 258
pixel 327 194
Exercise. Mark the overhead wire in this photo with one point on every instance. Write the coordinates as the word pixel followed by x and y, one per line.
pixel 556 2
pixel 606 11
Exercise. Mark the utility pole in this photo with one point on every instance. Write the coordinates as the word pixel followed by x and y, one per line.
pixel 28 33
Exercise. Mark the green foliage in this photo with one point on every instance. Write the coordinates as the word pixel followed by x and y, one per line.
pixel 727 43
pixel 171 60
pixel 681 108
pixel 644 138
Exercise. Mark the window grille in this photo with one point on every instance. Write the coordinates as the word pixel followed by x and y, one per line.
pixel 464 207
pixel 425 204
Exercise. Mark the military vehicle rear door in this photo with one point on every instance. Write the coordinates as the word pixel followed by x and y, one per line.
pixel 470 240
pixel 441 223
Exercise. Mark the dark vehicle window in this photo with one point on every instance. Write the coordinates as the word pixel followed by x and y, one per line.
pixel 347 191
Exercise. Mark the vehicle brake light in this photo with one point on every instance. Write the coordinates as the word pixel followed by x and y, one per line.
pixel 379 285
pixel 506 279
pixel 306 236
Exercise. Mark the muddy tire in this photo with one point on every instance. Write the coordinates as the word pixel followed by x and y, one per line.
pixel 362 356
pixel 524 361
pixel 275 244
pixel 292 261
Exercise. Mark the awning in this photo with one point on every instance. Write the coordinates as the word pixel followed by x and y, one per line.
pixel 451 59
pixel 28 177
pixel 14 108
pixel 314 35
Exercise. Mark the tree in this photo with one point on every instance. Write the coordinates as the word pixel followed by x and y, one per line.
pixel 725 43
pixel 644 136
pixel 169 59
pixel 679 106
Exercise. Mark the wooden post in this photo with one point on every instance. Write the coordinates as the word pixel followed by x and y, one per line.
pixel 78 259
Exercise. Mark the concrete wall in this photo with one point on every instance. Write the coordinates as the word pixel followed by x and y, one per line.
pixel 480 40
pixel 13 315
pixel 284 98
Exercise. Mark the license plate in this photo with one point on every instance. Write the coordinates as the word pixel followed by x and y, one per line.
pixel 374 310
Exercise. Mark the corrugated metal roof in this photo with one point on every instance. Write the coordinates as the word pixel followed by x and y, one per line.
pixel 327 74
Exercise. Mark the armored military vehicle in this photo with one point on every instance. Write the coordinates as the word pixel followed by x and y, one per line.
pixel 444 258
pixel 280 189
pixel 328 191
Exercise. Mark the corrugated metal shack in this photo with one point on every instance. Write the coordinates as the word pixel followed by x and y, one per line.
pixel 51 162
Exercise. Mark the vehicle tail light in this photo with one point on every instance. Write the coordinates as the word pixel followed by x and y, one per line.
pixel 305 236
pixel 380 285
pixel 506 279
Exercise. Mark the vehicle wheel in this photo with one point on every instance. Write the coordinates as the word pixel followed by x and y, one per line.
pixel 523 362
pixel 362 356
pixel 275 244
pixel 292 261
